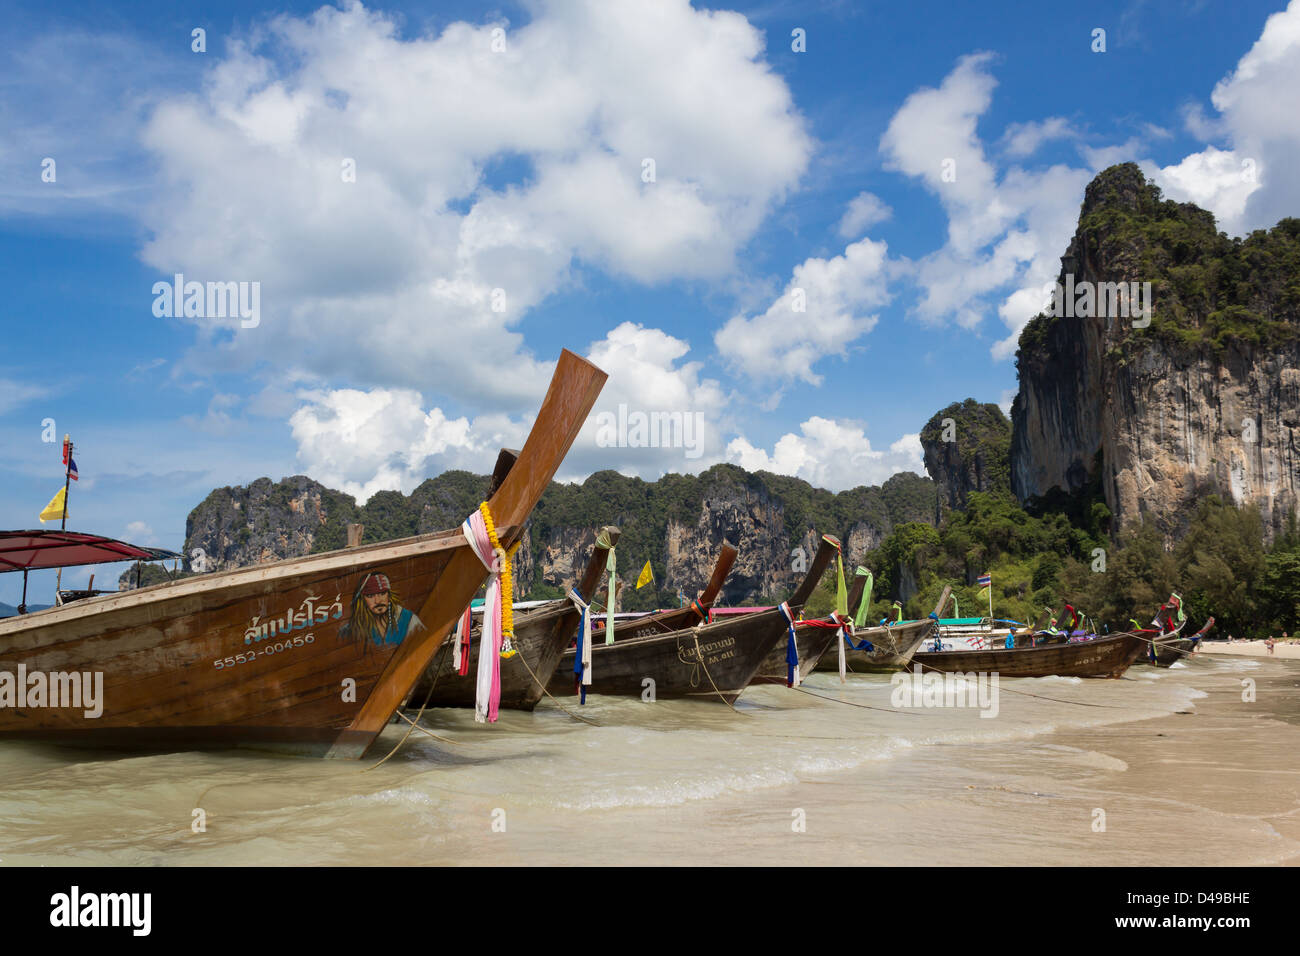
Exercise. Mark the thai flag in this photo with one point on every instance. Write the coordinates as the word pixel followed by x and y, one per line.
pixel 72 468
pixel 986 579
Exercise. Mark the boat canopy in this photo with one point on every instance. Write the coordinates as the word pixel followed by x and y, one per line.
pixel 35 550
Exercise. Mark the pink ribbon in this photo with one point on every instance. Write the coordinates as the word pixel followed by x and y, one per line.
pixel 487 693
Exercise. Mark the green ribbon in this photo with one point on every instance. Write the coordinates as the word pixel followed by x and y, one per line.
pixel 612 603
pixel 860 616
pixel 841 592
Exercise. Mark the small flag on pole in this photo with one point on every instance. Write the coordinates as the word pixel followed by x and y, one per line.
pixel 57 507
pixel 646 577
pixel 986 579
pixel 72 468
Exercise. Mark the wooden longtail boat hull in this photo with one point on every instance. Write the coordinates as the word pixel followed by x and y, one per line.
pixel 893 649
pixel 541 634
pixel 893 646
pixel 713 661
pixel 674 619
pixel 278 655
pixel 1108 656
pixel 1172 648
pixel 811 642
pixel 732 649
pixel 1170 652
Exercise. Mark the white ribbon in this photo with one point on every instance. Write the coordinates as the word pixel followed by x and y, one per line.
pixel 584 611
pixel 489 652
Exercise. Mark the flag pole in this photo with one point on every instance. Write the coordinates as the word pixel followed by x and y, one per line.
pixel 63 525
pixel 67 485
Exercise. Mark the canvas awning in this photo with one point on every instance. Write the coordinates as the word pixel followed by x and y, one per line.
pixel 34 550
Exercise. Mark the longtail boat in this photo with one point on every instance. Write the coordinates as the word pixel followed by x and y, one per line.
pixel 312 655
pixel 1108 655
pixel 887 647
pixel 812 640
pixel 713 661
pixel 674 619
pixel 541 635
pixel 1171 648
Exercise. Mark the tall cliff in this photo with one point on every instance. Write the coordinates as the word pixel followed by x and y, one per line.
pixel 967 448
pixel 1204 398
pixel 677 523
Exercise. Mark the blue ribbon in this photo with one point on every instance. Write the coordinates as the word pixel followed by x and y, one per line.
pixel 577 657
pixel 791 648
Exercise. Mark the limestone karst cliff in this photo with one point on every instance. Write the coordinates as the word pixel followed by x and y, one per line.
pixel 677 523
pixel 1206 397
pixel 966 449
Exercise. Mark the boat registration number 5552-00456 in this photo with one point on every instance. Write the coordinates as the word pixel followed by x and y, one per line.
pixel 243 657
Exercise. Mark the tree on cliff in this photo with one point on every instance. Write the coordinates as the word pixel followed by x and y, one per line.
pixel 968 448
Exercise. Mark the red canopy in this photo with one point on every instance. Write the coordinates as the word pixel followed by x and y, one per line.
pixel 31 550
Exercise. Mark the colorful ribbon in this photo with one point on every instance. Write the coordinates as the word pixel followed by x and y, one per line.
pixel 460 649
pixel 582 656
pixel 860 617
pixel 613 598
pixel 791 648
pixel 487 693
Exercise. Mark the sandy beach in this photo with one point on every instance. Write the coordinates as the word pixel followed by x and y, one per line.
pixel 1288 650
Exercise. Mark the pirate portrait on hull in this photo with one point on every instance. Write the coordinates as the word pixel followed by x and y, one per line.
pixel 377 614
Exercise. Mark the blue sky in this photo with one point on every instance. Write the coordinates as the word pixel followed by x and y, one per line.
pixel 377 359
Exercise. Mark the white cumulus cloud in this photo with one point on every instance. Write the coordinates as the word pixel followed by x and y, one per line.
pixel 357 174
pixel 832 454
pixel 827 304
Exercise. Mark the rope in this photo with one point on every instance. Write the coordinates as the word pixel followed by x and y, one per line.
pixel 849 703
pixel 695 635
pixel 437 671
pixel 585 720
pixel 429 733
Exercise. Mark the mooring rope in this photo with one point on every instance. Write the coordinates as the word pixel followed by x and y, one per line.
pixel 849 703
pixel 585 720
pixel 442 651
pixel 695 635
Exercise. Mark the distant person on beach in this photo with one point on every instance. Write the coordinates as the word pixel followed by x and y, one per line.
pixel 1269 643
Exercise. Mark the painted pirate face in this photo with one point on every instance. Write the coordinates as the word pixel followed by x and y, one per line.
pixel 375 592
pixel 377 603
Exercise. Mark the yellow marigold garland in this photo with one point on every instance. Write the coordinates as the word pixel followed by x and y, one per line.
pixel 507 574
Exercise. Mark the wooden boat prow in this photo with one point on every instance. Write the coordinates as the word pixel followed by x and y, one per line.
pixel 707 661
pixel 269 656
pixel 541 635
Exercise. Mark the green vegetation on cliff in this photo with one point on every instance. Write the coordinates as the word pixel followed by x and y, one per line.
pixel 1210 291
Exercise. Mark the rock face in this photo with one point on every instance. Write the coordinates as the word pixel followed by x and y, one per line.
pixel 230 529
pixel 678 523
pixel 1206 399
pixel 967 448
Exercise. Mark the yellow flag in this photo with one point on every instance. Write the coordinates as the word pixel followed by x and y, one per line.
pixel 57 507
pixel 646 576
